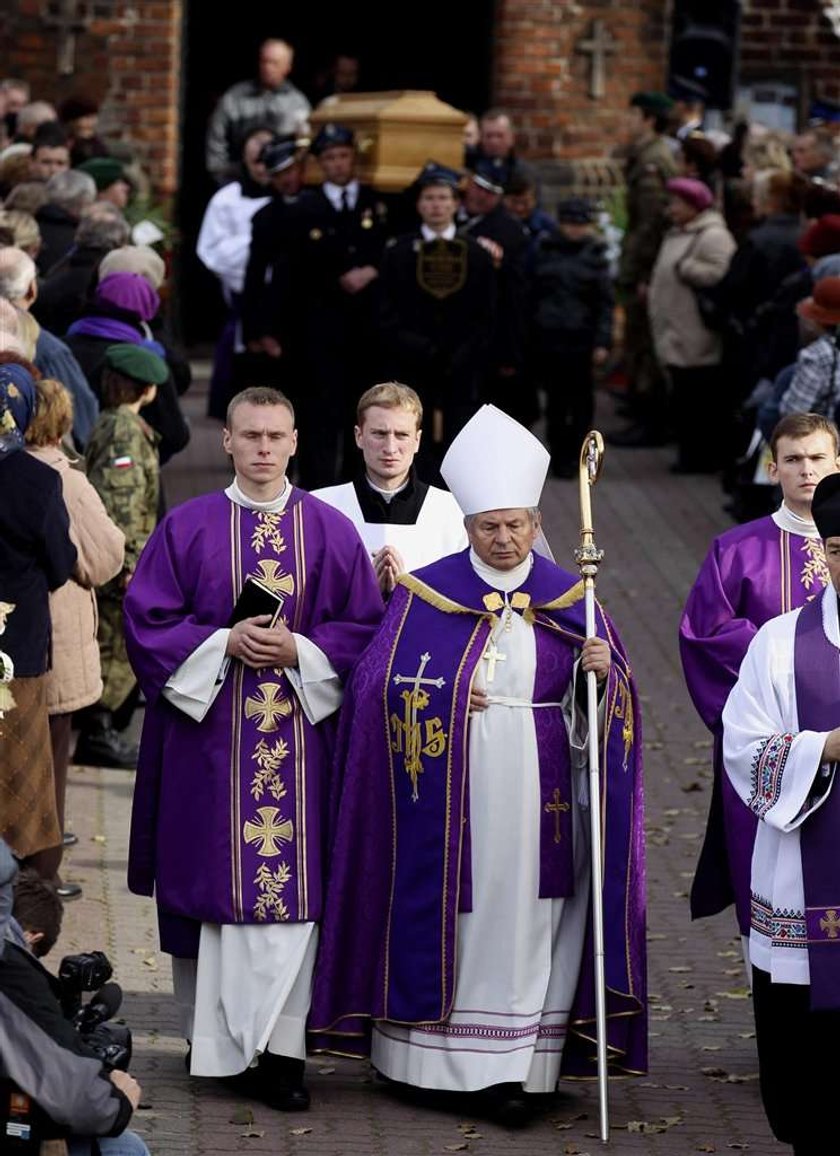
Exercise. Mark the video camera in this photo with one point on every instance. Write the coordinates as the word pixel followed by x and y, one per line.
pixel 90 971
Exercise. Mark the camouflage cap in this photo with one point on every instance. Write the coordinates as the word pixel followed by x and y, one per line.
pixel 137 363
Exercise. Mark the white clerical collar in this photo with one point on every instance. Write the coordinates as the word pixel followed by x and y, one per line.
pixel 335 193
pixel 447 234
pixel 830 619
pixel 273 507
pixel 505 580
pixel 386 494
pixel 785 519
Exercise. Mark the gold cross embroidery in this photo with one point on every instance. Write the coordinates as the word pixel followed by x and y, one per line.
pixel 831 923
pixel 272 576
pixel 268 831
pixel 556 807
pixel 267 705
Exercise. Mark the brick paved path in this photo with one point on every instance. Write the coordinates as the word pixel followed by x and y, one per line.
pixel 701 1094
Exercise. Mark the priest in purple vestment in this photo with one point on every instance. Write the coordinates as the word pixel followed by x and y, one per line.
pixel 456 940
pixel 781 747
pixel 244 616
pixel 751 574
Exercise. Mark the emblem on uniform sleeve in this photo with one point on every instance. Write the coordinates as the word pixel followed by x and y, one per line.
pixel 442 267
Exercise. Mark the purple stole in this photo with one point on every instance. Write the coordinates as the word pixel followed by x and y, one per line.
pixel 817 675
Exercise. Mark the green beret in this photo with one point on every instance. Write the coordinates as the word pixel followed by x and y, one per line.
pixel 138 363
pixel 655 102
pixel 105 171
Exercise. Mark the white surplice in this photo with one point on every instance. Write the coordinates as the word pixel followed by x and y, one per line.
pixel 518 956
pixel 250 988
pixel 777 770
pixel 438 531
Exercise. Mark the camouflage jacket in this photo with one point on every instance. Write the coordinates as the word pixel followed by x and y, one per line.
pixel 122 464
pixel 649 168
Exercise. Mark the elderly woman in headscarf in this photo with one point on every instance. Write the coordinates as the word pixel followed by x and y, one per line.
pixel 123 308
pixel 37 556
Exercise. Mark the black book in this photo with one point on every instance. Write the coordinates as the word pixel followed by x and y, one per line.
pixel 256 599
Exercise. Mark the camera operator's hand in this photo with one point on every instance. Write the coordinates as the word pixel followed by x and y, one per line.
pixel 127 1085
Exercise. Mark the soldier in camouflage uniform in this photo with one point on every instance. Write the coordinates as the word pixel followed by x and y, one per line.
pixel 123 466
pixel 649 166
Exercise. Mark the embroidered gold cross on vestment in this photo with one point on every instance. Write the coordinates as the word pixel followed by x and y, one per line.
pixel 556 807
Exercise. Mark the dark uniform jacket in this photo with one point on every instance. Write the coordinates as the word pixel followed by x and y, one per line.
pixel 572 296
pixel 67 289
pixel 58 231
pixel 437 339
pixel 506 231
pixel 36 556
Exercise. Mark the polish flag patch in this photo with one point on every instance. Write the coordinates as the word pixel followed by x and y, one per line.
pixel 123 463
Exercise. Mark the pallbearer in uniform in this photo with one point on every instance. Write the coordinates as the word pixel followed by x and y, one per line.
pixel 458 903
pixel 751 574
pixel 438 312
pixel 237 745
pixel 404 522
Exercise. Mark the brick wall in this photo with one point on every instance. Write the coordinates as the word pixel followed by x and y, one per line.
pixel 544 81
pixel 128 58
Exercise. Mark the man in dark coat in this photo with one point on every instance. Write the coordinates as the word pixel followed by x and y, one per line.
pixel 68 195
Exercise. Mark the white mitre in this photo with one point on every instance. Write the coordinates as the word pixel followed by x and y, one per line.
pixel 495 464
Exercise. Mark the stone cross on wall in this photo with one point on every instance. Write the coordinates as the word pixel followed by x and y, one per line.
pixel 598 46
pixel 68 18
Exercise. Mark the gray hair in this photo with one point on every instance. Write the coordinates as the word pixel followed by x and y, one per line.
pixel 71 191
pixel 10 341
pixel 102 231
pixel 140 259
pixel 35 113
pixel 17 272
pixel 27 197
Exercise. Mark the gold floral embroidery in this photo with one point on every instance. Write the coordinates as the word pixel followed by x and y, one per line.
pixel 408 732
pixel 267 530
pixel 815 571
pixel 624 711
pixel 266 777
pixel 271 885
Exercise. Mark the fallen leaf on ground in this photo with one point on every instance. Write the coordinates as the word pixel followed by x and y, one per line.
pixel 252 1134
pixel 99 839
pixel 299 1131
pixel 242 1115
pixel 456 1147
pixel 736 993
pixel 326 1071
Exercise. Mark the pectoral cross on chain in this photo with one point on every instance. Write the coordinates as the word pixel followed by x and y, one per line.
pixel 556 807
pixel 491 656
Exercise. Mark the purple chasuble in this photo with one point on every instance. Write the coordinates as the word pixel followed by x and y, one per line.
pixel 400 858
pixel 817 674
pixel 751 574
pixel 226 821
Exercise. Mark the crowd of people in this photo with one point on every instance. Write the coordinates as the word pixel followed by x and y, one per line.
pixel 353 640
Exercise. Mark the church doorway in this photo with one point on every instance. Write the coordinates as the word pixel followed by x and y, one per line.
pixel 440 46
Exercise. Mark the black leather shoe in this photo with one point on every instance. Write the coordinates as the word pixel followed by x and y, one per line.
pixel 67 891
pixel 281 1083
pixel 105 748
pixel 510 1106
pixel 286 1099
pixel 68 839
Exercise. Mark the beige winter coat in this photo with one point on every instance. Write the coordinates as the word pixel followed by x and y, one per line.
pixel 75 680
pixel 701 250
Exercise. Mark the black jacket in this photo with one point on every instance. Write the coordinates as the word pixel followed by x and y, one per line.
pixel 572 306
pixel 36 556
pixel 58 231
pixel 67 290
pixel 506 231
